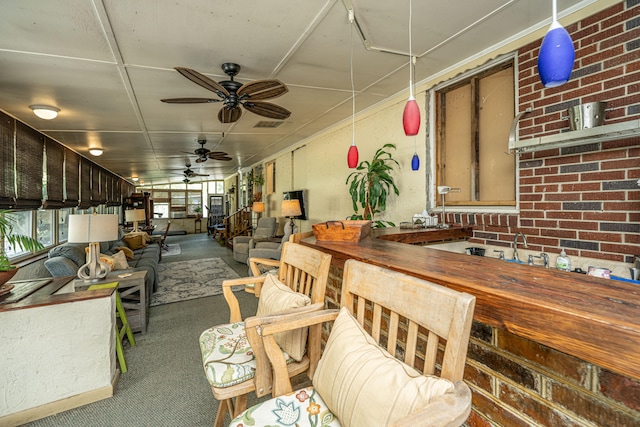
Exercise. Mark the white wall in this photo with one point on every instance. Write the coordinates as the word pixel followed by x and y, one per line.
pixel 73 352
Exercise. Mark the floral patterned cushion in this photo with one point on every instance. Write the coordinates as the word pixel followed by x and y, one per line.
pixel 227 357
pixel 301 408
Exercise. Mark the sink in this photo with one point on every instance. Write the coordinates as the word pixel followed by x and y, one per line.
pixel 515 261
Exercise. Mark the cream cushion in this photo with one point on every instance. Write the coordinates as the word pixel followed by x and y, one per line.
pixel 275 297
pixel 363 385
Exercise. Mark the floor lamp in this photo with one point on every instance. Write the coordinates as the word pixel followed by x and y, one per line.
pixel 134 215
pixel 291 209
pixel 93 229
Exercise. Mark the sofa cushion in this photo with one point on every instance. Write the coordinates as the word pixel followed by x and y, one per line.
pixel 128 253
pixel 364 385
pixel 73 251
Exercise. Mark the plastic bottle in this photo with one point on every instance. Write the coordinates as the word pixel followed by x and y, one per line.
pixel 563 262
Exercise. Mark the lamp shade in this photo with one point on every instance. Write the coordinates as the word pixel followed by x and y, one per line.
pixel 132 215
pixel 411 117
pixel 352 156
pixel 291 208
pixel 93 228
pixel 556 57
pixel 258 207
pixel 415 162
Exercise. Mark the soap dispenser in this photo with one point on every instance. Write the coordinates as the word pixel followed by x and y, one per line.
pixel 563 262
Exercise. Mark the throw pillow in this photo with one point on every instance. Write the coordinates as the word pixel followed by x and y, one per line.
pixel 364 385
pixel 275 297
pixel 119 261
pixel 128 253
pixel 135 242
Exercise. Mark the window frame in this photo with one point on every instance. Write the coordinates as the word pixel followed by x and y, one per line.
pixel 437 172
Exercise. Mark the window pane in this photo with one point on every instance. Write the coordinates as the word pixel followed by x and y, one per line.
pixel 161 208
pixel 220 187
pixel 456 163
pixel 63 225
pixel 177 198
pixel 21 225
pixel 45 227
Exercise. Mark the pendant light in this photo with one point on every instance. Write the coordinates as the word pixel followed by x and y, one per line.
pixel 415 160
pixel 411 115
pixel 555 60
pixel 352 155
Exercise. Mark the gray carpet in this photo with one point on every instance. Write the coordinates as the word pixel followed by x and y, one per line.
pixel 165 384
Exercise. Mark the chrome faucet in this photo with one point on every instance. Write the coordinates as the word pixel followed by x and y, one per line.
pixel 515 245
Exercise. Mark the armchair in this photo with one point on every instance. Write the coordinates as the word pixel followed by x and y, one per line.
pixel 265 229
pixel 389 325
pixel 234 368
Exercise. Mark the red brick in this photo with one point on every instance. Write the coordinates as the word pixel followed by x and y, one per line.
pixel 531 214
pixel 602 176
pixel 548 206
pixel 499 415
pixel 600 237
pixel 620 249
pixel 547 188
pixel 562 196
pixel 591 186
pixel 589 407
pixel 535 408
pixel 604 75
pixel 541 241
pixel 565 215
pixel 603 14
pixel 603 256
pixel 531 197
pixel 532 180
pixel 559 233
pixel 553 152
pixel 546 223
pixel 619 388
pixel 564 160
pixel 604 195
pixel 603 55
pixel 621 206
pixel 562 178
pixel 579 225
pixel 619 164
pixel 604 155
pixel 605 216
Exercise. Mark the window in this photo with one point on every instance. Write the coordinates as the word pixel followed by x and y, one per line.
pixel 473 119
pixel 176 200
pixel 45 227
pixel 22 224
pixel 63 225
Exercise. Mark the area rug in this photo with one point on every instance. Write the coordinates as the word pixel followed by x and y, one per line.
pixel 185 280
pixel 174 249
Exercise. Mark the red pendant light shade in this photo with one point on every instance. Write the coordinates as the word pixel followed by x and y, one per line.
pixel 411 117
pixel 352 156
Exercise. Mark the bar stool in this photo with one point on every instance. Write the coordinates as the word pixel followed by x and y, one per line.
pixel 122 331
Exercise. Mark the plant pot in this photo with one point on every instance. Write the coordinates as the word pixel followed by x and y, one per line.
pixel 7 275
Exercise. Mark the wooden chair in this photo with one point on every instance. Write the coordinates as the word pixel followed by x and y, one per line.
pixel 303 270
pixel 163 245
pixel 352 381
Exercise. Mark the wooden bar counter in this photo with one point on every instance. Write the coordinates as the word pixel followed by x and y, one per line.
pixel 595 320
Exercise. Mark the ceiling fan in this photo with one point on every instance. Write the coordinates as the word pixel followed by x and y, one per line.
pixel 233 94
pixel 204 154
pixel 188 173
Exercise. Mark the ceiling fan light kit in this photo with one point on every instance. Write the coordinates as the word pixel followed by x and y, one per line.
pixel 234 94
pixel 557 54
pixel 45 112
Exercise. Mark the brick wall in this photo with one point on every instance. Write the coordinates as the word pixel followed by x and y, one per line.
pixel 584 198
pixel 518 382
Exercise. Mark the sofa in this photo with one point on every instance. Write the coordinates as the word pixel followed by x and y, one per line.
pixel 66 259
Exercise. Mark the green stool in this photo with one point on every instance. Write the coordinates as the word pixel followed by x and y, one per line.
pixel 120 332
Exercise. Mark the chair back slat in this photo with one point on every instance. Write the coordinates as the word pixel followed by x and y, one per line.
pixel 402 294
pixel 392 339
pixel 304 270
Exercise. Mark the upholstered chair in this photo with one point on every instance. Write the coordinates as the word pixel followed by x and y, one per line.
pixel 265 230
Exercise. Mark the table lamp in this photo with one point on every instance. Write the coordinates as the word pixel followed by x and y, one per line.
pixel 290 209
pixel 93 229
pixel 258 207
pixel 134 215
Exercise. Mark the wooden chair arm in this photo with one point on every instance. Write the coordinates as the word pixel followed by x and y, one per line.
pixel 252 285
pixel 253 326
pixel 452 409
pixel 253 264
pixel 281 383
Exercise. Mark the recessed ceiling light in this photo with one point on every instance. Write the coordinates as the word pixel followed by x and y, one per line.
pixel 134 178
pixel 96 151
pixel 45 112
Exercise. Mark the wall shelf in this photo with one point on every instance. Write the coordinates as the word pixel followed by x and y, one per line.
pixel 578 137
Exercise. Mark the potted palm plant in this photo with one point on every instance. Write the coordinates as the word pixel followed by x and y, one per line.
pixel 370 185
pixel 7 271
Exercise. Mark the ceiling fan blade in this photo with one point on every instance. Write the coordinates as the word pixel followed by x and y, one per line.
pixel 200 174
pixel 267 109
pixel 190 100
pixel 262 89
pixel 229 115
pixel 204 81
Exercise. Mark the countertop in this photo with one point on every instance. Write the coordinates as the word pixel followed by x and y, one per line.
pixel 597 320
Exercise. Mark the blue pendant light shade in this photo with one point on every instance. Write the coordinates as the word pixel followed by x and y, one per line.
pixel 415 162
pixel 555 60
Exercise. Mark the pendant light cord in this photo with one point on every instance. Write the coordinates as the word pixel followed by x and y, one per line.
pixel 554 11
pixel 410 51
pixel 353 90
